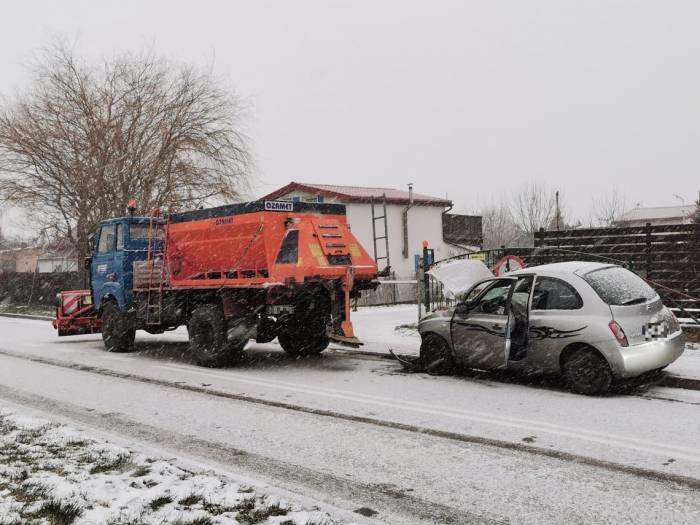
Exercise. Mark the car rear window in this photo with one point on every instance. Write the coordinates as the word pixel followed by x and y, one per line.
pixel 619 287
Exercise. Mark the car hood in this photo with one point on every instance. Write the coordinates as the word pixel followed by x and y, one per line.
pixel 460 275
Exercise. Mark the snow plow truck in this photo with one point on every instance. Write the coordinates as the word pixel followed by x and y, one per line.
pixel 255 270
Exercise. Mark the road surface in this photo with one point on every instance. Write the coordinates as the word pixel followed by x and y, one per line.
pixel 358 433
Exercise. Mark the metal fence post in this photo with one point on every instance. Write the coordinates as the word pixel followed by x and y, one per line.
pixel 426 278
pixel 647 230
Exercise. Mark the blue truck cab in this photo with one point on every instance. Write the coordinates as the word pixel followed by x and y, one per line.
pixel 117 244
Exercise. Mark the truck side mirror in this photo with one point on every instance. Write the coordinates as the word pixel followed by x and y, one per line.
pixel 87 262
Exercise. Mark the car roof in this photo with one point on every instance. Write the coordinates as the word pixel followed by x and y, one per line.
pixel 569 267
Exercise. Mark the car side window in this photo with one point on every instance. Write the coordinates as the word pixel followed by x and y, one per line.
pixel 106 242
pixel 476 291
pixel 494 300
pixel 554 294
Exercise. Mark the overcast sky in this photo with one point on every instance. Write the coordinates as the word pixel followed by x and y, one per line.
pixel 467 99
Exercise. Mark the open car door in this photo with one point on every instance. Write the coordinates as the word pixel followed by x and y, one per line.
pixel 481 325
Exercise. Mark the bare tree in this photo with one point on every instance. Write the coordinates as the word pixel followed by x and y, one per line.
pixel 83 139
pixel 533 208
pixel 608 208
pixel 696 213
pixel 498 226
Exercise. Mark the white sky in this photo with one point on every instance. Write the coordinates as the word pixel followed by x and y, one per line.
pixel 464 98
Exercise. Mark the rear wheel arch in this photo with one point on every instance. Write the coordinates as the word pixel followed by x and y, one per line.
pixel 586 369
pixel 573 347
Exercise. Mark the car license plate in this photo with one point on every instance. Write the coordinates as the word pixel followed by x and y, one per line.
pixel 653 331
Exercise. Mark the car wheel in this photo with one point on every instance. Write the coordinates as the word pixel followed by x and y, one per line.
pixel 435 355
pixel 587 372
pixel 208 343
pixel 118 332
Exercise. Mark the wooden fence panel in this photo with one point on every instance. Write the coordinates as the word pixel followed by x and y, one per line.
pixel 667 256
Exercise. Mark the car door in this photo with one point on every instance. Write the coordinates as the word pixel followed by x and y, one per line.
pixel 556 320
pixel 480 327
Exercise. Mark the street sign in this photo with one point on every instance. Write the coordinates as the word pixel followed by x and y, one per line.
pixel 507 264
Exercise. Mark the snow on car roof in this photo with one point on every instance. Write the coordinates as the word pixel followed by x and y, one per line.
pixel 563 267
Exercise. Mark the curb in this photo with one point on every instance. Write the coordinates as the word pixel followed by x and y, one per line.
pixel 27 316
pixel 686 383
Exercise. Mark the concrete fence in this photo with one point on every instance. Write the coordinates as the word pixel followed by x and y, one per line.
pixel 36 289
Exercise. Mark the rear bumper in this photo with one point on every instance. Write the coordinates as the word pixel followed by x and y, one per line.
pixel 635 360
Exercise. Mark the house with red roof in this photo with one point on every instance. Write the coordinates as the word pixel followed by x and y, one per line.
pixel 411 218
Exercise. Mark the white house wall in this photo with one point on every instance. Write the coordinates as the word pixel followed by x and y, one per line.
pixel 424 223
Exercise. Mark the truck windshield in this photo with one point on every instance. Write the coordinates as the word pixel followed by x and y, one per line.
pixel 619 287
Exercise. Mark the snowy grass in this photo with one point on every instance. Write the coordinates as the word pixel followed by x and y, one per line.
pixel 54 474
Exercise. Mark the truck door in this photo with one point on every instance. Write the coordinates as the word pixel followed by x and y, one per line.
pixel 480 329
pixel 103 262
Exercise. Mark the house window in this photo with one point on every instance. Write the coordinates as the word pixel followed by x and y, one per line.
pixel 320 198
pixel 296 199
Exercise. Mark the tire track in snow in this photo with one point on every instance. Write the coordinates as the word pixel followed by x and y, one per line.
pixel 383 499
pixel 661 449
pixel 569 457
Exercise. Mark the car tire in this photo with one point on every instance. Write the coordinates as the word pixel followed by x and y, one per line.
pixel 118 332
pixel 436 356
pixel 587 372
pixel 208 342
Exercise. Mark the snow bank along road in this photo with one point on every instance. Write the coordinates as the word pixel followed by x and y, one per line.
pixel 359 433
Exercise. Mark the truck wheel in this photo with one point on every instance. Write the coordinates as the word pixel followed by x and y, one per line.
pixel 435 355
pixel 587 372
pixel 306 332
pixel 118 332
pixel 208 342
pixel 300 343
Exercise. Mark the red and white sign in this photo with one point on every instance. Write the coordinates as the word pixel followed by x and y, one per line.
pixel 507 264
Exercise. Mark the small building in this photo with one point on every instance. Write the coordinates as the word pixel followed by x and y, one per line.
pixel 56 263
pixel 411 218
pixel 657 216
pixel 19 259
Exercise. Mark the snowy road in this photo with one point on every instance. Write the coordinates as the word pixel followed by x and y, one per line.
pixel 358 432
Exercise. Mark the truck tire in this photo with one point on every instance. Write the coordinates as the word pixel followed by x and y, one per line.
pixel 302 343
pixel 118 332
pixel 208 343
pixel 306 332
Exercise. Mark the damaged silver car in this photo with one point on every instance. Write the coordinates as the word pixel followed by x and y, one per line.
pixel 591 322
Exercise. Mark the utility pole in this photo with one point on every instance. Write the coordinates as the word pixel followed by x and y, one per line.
pixel 556 195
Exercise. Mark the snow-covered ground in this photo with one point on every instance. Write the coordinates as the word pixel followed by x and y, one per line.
pixel 57 473
pixel 359 433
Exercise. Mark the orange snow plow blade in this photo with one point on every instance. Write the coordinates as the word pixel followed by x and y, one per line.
pixel 75 314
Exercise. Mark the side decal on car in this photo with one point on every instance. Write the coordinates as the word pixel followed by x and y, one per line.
pixel 547 332
pixel 480 328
